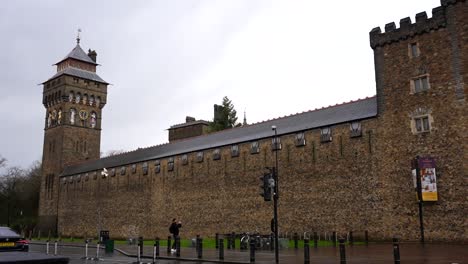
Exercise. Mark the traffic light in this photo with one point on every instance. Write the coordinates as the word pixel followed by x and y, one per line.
pixel 267 186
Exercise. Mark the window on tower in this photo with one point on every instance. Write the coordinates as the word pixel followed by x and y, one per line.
pixel 420 84
pixel 72 116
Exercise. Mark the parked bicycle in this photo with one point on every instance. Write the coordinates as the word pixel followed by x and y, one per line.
pixel 260 241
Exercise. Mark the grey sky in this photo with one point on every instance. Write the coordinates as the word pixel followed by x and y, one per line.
pixel 168 59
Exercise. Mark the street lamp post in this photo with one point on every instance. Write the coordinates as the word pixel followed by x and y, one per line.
pixel 276 196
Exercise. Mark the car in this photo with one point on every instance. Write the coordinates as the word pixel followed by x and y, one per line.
pixel 11 241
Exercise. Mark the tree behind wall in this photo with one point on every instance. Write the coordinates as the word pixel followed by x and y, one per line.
pixel 19 193
pixel 225 116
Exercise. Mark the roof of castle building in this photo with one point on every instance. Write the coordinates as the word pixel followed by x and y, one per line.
pixel 342 113
pixel 203 122
pixel 79 73
pixel 78 54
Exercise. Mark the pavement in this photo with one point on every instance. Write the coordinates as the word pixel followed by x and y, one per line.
pixel 381 253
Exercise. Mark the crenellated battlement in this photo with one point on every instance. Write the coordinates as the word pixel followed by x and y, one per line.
pixel 408 29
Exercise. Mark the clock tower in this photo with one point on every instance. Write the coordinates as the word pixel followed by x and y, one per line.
pixel 73 98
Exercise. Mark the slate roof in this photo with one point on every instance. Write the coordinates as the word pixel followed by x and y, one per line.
pixel 78 54
pixel 354 110
pixel 79 73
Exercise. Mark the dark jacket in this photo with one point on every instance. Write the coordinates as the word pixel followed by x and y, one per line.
pixel 175 228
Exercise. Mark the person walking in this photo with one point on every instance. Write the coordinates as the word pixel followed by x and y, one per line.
pixel 174 230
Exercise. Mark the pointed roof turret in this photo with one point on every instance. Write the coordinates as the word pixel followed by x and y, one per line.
pixel 78 54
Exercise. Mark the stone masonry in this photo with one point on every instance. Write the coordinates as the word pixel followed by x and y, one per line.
pixel 348 184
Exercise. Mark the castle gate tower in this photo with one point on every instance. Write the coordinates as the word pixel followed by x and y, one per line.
pixel 73 98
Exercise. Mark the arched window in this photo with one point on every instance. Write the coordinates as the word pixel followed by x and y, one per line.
pixel 93 120
pixel 72 116
pixel 49 119
pixel 54 117
pixel 59 95
pixel 71 95
pixel 85 99
pixel 59 116
pixel 77 98
pixel 98 101
pixel 91 100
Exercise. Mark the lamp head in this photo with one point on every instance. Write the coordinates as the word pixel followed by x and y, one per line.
pixel 273 127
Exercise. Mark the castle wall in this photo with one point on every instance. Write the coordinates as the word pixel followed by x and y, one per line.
pixel 324 187
pixel 351 183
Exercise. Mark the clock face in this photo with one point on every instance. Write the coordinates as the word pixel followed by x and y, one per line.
pixel 83 115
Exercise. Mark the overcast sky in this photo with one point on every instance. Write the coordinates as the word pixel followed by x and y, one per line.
pixel 169 59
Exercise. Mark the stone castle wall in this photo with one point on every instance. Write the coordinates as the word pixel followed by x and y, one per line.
pixel 361 183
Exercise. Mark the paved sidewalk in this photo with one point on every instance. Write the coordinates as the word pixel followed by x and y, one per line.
pixel 373 254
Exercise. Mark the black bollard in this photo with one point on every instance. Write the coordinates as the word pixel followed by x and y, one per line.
pixel 229 241
pixel 351 238
pixel 221 249
pixel 177 243
pixel 233 240
pixel 252 251
pixel 216 240
pixel 366 237
pixel 272 242
pixel 48 236
pixel 396 251
pixel 315 240
pixel 342 251
pixel 156 244
pixel 296 240
pixel 334 238
pixel 200 248
pixel 169 244
pixel 306 251
pixel 140 242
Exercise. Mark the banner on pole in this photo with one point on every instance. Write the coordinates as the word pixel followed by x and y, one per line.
pixel 428 177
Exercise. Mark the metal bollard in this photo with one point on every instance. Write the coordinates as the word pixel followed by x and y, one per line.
pixel 306 251
pixel 221 249
pixel 200 248
pixel 366 238
pixel 217 240
pixel 351 238
pixel 55 248
pixel 334 238
pixel 396 250
pixel 39 235
pixel 315 240
pixel 138 253
pixel 154 253
pixel 86 249
pixel 140 241
pixel 177 242
pixel 296 238
pixel 229 239
pixel 47 247
pixel 252 251
pixel 97 250
pixel 169 244
pixel 342 251
pixel 157 246
pixel 233 240
pixel 272 242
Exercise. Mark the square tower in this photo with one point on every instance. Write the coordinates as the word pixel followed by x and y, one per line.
pixel 74 98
